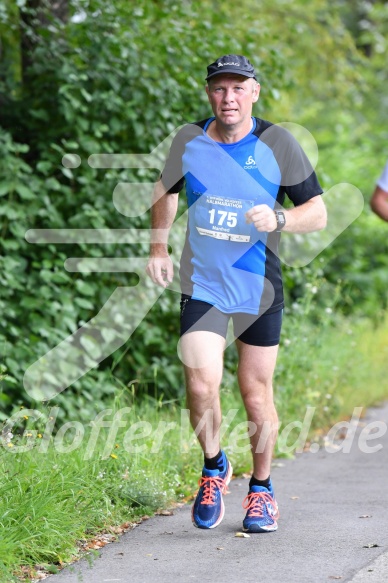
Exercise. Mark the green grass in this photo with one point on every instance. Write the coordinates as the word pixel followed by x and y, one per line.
pixel 52 499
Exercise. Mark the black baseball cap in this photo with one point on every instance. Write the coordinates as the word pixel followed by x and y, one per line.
pixel 231 64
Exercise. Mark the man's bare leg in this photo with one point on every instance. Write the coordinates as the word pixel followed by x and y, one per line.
pixel 202 355
pixel 255 373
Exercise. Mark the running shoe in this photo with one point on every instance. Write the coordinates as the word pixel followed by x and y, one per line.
pixel 208 508
pixel 262 510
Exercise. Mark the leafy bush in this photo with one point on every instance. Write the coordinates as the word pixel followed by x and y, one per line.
pixel 90 86
pixel 92 82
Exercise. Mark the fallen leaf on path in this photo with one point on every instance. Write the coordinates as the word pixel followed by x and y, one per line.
pixel 335 577
pixel 242 535
pixel 294 497
pixel 220 548
pixel 365 516
pixel 99 541
pixel 116 529
pixel 98 544
pixel 370 546
pixel 165 513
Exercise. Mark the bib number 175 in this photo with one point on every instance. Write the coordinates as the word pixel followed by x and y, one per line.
pixel 219 217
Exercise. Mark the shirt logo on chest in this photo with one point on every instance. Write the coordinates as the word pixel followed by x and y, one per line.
pixel 250 164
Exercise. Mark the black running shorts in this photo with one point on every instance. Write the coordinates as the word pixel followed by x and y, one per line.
pixel 263 330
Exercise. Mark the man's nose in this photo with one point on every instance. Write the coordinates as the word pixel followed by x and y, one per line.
pixel 228 95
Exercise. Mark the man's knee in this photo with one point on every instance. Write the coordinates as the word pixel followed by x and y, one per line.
pixel 255 387
pixel 259 403
pixel 201 389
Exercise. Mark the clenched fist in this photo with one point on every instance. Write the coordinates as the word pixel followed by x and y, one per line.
pixel 263 218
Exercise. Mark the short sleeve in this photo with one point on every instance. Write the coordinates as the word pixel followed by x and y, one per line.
pixel 172 175
pixel 298 179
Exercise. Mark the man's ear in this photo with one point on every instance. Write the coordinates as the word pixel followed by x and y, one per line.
pixel 207 91
pixel 256 93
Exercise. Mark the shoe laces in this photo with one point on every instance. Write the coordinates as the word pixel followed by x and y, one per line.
pixel 210 485
pixel 256 502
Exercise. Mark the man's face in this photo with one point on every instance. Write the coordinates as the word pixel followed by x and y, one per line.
pixel 232 98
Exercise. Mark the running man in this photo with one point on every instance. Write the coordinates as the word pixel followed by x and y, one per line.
pixel 236 170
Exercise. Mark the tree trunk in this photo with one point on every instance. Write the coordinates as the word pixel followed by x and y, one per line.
pixel 37 14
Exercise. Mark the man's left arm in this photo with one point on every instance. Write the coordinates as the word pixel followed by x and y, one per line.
pixel 305 218
pixel 379 203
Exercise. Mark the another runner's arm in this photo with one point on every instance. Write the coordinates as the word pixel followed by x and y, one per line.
pixel 304 218
pixel 379 203
pixel 163 212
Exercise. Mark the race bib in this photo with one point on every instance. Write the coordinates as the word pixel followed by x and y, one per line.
pixel 223 218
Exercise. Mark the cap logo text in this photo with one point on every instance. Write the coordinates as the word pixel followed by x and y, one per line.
pixel 223 64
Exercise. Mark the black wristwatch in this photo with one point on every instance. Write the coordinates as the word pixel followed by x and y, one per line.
pixel 280 220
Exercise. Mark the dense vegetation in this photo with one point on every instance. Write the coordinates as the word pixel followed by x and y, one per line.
pixel 86 77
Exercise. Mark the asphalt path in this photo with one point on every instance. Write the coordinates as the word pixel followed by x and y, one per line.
pixel 333 526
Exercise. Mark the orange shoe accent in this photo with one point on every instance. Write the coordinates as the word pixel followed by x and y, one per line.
pixel 255 502
pixel 210 486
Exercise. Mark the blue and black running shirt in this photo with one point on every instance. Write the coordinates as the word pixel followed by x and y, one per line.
pixel 225 261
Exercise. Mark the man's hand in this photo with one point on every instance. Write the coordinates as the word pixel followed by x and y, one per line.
pixel 164 207
pixel 160 270
pixel 305 218
pixel 263 218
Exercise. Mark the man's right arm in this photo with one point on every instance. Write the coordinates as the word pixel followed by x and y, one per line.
pixel 379 203
pixel 163 212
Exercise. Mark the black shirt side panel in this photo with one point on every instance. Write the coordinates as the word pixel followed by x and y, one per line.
pixel 288 153
pixel 172 175
pixel 298 179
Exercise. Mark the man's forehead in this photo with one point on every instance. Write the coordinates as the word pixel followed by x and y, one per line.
pixel 222 77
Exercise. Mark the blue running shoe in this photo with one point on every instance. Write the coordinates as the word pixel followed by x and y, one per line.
pixel 262 510
pixel 208 508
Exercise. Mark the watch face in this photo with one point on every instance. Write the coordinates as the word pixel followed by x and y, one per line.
pixel 281 220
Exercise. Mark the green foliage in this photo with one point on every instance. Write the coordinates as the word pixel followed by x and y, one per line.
pixel 91 87
pixel 119 78
pixel 329 362
pixel 96 81
pixel 350 127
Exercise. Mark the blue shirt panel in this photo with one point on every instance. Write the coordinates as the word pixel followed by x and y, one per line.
pixel 225 273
